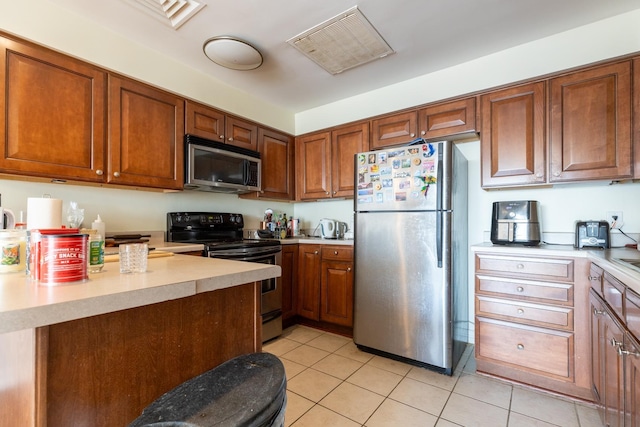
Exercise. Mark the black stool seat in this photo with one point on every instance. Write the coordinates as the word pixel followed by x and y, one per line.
pixel 247 391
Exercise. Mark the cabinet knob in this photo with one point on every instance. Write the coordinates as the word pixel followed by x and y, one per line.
pixel 520 289
pixel 116 174
pixel 597 312
pixel 348 268
pixel 413 135
pixel 615 343
pixel 327 192
pixel 99 172
pixel 315 253
pixel 520 311
pixel 556 173
pixel 335 252
pixel 335 192
pixel 594 278
pixel 222 137
pixel 520 346
pixel 423 133
pixel 520 266
pixel 230 139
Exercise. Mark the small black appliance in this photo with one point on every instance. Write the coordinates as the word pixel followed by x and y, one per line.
pixel 592 234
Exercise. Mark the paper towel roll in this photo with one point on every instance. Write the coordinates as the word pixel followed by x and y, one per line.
pixel 43 212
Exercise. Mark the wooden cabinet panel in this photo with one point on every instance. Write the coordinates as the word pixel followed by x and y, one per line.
pixel 636 118
pixel 590 124
pixel 613 373
pixel 204 121
pixel 632 384
pixel 613 292
pixel 146 152
pixel 277 155
pixel 530 267
pixel 336 298
pixel 598 344
pixel 309 263
pixel 448 120
pixel 398 129
pixel 137 355
pixel 559 293
pixel 345 143
pixel 632 312
pixel 543 350
pixel 313 166
pixel 52 114
pixel 289 280
pixel 513 136
pixel 522 312
pixel 339 253
pixel 241 133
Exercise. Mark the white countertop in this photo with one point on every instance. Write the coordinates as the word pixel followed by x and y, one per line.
pixel 604 258
pixel 26 304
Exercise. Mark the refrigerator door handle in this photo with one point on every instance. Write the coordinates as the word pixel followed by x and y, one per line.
pixel 439 195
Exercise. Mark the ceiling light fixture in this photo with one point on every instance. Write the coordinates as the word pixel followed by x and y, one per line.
pixel 233 53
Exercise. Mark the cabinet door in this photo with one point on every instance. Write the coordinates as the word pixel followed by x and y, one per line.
pixel 336 297
pixel 632 384
pixel 345 143
pixel 398 129
pixel 512 140
pixel 309 281
pixel 598 344
pixel 636 118
pixel 276 150
pixel 52 114
pixel 448 120
pixel 241 133
pixel 590 124
pixel 146 135
pixel 204 121
pixel 313 166
pixel 289 279
pixel 614 373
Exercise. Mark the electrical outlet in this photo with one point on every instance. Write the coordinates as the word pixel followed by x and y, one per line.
pixel 615 219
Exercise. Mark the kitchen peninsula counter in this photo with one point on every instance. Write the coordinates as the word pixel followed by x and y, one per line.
pixel 98 352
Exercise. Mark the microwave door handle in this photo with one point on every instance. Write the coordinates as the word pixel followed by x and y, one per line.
pixel 245 171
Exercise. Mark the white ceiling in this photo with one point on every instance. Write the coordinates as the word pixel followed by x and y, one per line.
pixel 426 35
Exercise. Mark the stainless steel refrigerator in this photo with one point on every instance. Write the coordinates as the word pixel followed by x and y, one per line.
pixel 411 283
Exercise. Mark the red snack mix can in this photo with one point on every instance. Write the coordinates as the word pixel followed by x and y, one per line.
pixel 59 258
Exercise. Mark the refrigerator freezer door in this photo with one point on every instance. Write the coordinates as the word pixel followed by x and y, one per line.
pixel 402 298
pixel 403 178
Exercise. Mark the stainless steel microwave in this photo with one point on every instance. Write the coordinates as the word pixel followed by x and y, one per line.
pixel 214 166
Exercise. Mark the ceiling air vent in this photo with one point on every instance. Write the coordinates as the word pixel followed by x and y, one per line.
pixel 342 42
pixel 173 13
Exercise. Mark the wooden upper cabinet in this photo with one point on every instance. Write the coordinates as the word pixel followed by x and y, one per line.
pixel 313 166
pixel 448 120
pixel 636 117
pixel 52 114
pixel 276 152
pixel 398 129
pixel 590 124
pixel 204 121
pixel 512 140
pixel 146 135
pixel 345 143
pixel 241 133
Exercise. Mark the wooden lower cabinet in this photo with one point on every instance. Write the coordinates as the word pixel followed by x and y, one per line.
pixel 104 370
pixel 325 284
pixel 615 351
pixel 532 321
pixel 288 280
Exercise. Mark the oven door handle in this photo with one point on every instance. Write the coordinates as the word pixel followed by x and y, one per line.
pixel 245 257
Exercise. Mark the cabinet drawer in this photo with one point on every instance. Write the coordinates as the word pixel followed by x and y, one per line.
pixel 533 268
pixel 525 289
pixel 545 351
pixel 337 253
pixel 632 311
pixel 595 277
pixel 521 312
pixel 613 292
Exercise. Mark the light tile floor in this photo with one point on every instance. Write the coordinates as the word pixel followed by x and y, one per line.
pixel 332 383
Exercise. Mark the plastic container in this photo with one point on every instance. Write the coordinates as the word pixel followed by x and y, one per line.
pixel 13 251
pixel 96 251
pixel 100 226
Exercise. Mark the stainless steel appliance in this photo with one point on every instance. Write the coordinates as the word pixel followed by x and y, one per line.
pixel 592 234
pixel 516 222
pixel 221 234
pixel 411 290
pixel 217 167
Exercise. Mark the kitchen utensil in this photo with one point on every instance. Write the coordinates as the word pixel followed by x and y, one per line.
pixel 7 219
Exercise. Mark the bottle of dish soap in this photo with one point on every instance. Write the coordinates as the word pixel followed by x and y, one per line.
pixel 96 246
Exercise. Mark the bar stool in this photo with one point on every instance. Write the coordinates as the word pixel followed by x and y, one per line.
pixel 247 391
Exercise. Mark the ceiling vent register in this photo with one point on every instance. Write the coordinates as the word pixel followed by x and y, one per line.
pixel 343 42
pixel 173 13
